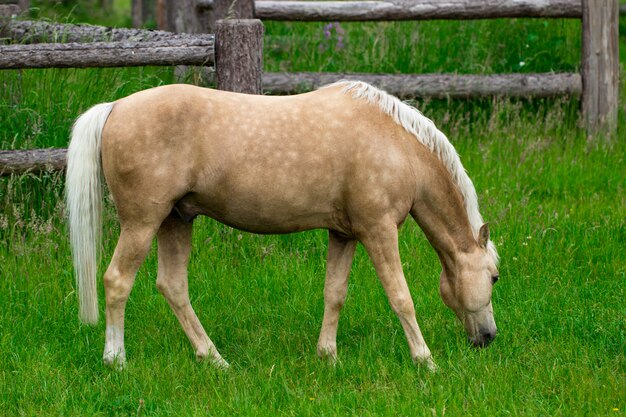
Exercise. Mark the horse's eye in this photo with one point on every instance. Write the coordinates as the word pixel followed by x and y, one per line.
pixel 495 279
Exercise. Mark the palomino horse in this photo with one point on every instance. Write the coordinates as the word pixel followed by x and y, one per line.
pixel 348 158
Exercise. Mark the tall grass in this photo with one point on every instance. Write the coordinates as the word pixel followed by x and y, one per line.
pixel 38 107
pixel 556 203
pixel 481 47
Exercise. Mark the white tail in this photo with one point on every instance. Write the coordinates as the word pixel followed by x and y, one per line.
pixel 83 192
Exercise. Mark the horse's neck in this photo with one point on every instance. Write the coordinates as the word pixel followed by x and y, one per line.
pixel 441 214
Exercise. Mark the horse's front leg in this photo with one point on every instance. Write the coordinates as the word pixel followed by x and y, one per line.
pixel 339 261
pixel 381 244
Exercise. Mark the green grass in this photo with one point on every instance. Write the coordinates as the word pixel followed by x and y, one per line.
pixel 470 47
pixel 38 107
pixel 557 207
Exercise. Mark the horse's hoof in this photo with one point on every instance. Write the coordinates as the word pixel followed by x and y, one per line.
pixel 116 360
pixel 220 363
pixel 328 354
pixel 428 362
pixel 217 360
pixel 431 365
pixel 330 360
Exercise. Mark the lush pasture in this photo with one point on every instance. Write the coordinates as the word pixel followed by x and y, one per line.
pixel 556 203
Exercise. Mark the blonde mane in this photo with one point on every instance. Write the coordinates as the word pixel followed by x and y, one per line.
pixel 414 122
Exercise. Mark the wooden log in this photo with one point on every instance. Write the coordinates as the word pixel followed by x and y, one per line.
pixel 600 66
pixel 435 85
pixel 27 31
pixel 414 9
pixel 239 55
pixel 107 54
pixel 32 160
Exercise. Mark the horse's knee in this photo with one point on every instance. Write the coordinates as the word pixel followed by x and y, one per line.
pixel 402 305
pixel 334 300
pixel 162 284
pixel 175 291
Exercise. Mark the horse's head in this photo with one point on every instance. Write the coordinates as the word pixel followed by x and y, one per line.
pixel 466 289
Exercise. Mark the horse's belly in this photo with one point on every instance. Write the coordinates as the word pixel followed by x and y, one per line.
pixel 261 212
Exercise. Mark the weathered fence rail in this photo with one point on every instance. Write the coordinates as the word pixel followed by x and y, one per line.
pixel 82 46
pixel 436 85
pixel 32 160
pixel 414 9
pixel 108 54
pixel 29 31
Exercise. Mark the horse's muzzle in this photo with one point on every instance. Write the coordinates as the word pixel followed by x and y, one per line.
pixel 483 339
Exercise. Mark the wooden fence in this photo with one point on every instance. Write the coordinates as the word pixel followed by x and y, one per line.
pixel 236 52
pixel 597 83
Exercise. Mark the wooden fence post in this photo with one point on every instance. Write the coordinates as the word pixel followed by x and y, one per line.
pixel 141 11
pixel 239 55
pixel 600 66
pixel 179 16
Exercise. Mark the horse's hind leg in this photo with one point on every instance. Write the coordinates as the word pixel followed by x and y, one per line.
pixel 132 247
pixel 381 243
pixel 174 246
pixel 340 255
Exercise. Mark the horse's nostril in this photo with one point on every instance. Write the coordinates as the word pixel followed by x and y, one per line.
pixel 483 339
pixel 488 337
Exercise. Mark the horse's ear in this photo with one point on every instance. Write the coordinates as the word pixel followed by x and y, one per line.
pixel 483 235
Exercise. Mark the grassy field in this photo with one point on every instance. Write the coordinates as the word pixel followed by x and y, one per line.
pixel 556 203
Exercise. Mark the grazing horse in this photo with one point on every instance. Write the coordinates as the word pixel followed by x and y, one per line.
pixel 348 157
